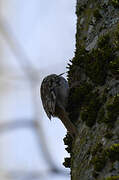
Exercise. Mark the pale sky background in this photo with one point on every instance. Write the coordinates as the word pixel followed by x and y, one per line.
pixel 46 32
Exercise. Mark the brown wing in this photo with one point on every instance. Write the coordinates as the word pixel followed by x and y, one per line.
pixel 48 98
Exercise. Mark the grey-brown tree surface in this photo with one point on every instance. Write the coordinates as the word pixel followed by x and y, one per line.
pixel 95 66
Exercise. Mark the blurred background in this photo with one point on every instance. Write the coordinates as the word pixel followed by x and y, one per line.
pixel 37 38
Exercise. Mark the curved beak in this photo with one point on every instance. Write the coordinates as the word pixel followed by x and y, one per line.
pixel 62 73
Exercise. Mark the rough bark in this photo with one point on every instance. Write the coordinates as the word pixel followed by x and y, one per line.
pixel 93 75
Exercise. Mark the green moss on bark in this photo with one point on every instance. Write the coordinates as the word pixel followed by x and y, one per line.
pixel 95 63
pixel 90 110
pixel 113 152
pixel 78 96
pixel 112 178
pixel 92 75
pixel 99 157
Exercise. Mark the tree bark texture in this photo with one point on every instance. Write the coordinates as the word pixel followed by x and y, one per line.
pixel 93 105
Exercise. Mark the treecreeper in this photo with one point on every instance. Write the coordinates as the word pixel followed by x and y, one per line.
pixel 54 95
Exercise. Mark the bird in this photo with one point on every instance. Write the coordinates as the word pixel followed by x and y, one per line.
pixel 54 95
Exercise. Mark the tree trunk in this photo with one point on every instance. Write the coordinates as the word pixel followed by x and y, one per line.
pixel 93 106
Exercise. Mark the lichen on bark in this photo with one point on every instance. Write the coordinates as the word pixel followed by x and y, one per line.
pixel 93 103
